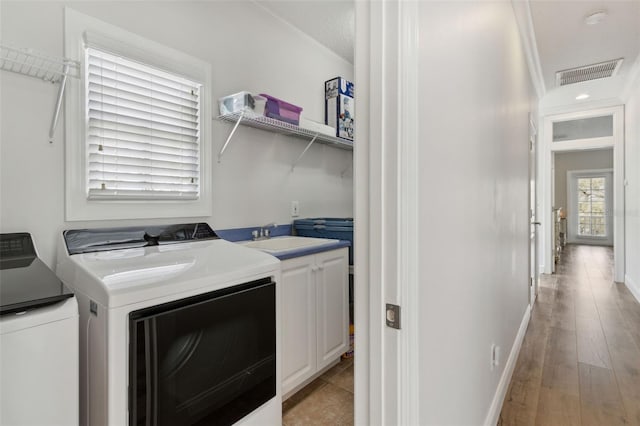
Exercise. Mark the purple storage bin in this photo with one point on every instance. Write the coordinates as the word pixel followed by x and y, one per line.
pixel 281 110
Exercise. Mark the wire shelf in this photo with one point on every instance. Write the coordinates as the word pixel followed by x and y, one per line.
pixel 251 119
pixel 35 64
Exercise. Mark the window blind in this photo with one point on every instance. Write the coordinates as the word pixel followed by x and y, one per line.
pixel 143 131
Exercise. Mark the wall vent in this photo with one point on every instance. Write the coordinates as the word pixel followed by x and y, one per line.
pixel 588 72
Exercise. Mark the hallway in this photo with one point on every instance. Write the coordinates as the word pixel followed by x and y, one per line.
pixel 580 359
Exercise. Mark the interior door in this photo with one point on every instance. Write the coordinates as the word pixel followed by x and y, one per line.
pixel 533 234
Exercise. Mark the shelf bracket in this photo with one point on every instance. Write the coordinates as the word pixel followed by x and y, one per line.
pixel 235 127
pixel 56 113
pixel 304 152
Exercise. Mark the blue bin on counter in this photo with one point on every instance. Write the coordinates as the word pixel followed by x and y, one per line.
pixel 327 227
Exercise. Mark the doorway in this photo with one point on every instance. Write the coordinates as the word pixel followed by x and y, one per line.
pixel 580 147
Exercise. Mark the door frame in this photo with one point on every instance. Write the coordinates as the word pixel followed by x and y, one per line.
pixel 386 267
pixel 617 143
pixel 534 269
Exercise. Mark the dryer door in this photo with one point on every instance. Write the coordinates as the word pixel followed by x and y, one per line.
pixel 208 359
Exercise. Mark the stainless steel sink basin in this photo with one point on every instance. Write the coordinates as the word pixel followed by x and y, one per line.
pixel 287 243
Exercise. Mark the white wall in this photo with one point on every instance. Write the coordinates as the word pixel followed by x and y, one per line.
pixel 248 48
pixel 602 92
pixel 632 191
pixel 578 160
pixel 475 96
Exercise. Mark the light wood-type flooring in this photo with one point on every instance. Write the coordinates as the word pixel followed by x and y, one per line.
pixel 328 400
pixel 580 359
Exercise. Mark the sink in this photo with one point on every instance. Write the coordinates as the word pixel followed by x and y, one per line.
pixel 287 243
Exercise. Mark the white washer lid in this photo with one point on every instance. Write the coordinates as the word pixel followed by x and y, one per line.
pixel 11 323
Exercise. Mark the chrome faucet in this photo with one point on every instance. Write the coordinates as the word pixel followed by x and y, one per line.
pixel 264 232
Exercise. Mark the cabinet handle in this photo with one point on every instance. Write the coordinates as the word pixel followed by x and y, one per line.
pixel 314 269
pixel 321 267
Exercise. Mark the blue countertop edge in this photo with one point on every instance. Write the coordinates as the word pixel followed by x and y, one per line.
pixel 311 250
pixel 244 234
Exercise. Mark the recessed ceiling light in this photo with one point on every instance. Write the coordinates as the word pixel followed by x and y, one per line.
pixel 595 17
pixel 582 96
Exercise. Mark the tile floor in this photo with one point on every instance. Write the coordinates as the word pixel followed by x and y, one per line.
pixel 580 359
pixel 328 400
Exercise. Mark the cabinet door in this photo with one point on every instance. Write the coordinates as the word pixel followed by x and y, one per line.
pixel 332 292
pixel 298 308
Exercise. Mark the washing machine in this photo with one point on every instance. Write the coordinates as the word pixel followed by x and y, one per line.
pixel 178 326
pixel 38 339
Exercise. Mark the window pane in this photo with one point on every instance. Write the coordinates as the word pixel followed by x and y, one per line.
pixel 597 195
pixel 584 184
pixel 585 128
pixel 584 208
pixel 143 139
pixel 584 229
pixel 597 208
pixel 598 230
pixel 597 183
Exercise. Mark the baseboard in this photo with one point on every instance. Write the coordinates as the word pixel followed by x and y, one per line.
pixel 503 385
pixel 585 242
pixel 633 287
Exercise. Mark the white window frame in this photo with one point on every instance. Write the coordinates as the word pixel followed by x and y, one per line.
pixel 572 201
pixel 80 28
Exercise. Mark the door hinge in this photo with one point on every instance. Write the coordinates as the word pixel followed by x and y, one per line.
pixel 393 316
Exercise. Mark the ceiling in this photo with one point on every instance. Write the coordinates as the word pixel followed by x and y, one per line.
pixel 565 41
pixel 330 22
pixel 563 38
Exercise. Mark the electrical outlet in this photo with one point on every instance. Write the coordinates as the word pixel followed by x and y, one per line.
pixel 295 209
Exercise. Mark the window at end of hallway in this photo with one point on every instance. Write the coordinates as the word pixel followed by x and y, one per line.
pixel 591 207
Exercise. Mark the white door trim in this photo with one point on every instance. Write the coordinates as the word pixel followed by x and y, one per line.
pixel 618 181
pixel 534 270
pixel 408 256
pixel 386 212
pixel 367 381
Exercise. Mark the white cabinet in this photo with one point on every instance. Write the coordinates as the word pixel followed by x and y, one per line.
pixel 298 310
pixel 315 316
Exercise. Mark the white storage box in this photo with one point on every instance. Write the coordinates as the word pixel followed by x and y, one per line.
pixel 242 101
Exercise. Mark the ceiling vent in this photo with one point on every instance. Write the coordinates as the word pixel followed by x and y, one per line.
pixel 588 72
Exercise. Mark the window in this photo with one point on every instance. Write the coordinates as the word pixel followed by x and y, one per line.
pixel 143 130
pixel 137 129
pixel 591 207
pixel 583 128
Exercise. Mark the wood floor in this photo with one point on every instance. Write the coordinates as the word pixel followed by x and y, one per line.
pixel 328 400
pixel 580 359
